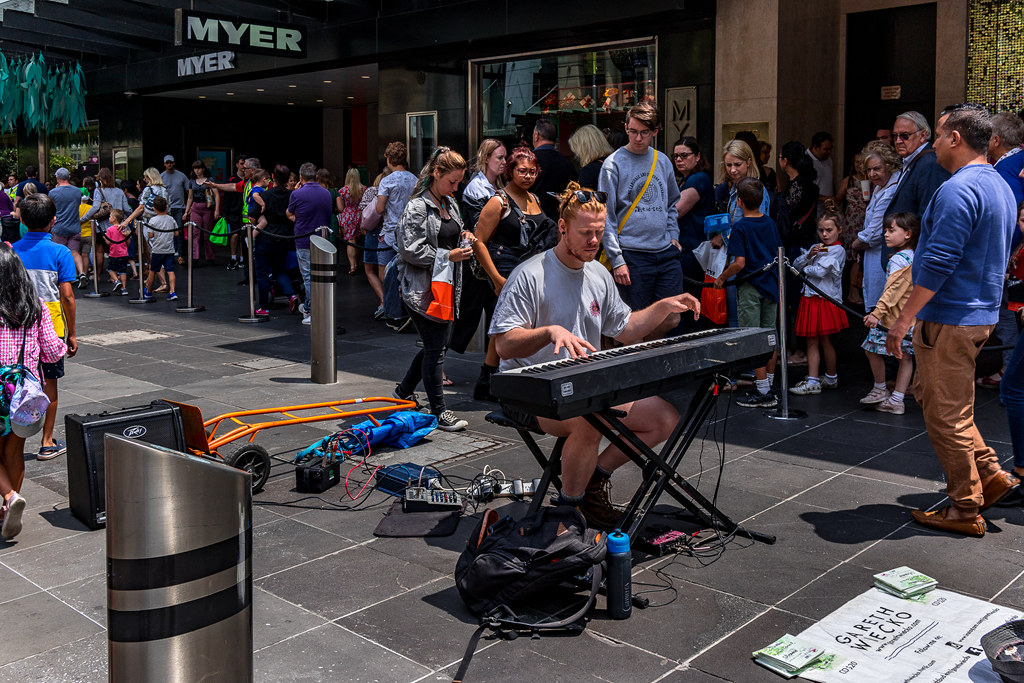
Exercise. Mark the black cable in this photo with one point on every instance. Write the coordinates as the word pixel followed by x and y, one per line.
pixel 736 280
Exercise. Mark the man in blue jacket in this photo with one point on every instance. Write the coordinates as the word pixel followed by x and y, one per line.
pixel 958 278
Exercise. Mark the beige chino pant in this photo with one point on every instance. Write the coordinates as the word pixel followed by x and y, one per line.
pixel 944 387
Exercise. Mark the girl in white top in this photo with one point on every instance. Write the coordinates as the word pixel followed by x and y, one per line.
pixel 818 319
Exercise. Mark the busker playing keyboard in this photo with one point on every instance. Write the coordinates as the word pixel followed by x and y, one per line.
pixel 557 305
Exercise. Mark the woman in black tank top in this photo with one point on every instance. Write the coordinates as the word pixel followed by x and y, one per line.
pixel 507 219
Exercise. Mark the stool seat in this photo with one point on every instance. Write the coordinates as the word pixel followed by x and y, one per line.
pixel 501 419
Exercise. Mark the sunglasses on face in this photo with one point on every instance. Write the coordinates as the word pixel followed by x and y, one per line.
pixel 905 136
pixel 682 156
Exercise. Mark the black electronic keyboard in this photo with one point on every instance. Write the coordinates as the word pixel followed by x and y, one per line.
pixel 572 387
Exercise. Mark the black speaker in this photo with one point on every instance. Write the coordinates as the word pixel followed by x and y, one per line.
pixel 158 423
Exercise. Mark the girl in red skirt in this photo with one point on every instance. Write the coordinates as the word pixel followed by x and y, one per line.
pixel 818 318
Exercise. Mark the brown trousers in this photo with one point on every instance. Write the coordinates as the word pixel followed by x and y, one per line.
pixel 944 386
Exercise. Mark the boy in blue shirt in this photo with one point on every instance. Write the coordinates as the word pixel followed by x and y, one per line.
pixel 51 268
pixel 753 243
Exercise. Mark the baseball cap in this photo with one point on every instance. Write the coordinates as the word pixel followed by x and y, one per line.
pixel 62 174
pixel 168 157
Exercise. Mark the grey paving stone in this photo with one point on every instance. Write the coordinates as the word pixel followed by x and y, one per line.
pixel 63 625
pixel 87 596
pixel 76 661
pixel 285 543
pixel 730 659
pixel 862 496
pixel 275 620
pixel 332 653
pixel 13 586
pixel 47 565
pixel 319 586
pixel 695 619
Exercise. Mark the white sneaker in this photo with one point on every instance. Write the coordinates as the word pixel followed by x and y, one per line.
pixel 306 320
pixel 874 396
pixel 15 505
pixel 304 311
pixel 806 387
pixel 890 406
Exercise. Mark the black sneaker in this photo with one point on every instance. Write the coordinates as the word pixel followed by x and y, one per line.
pixel 117 286
pixel 411 396
pixel 447 422
pixel 83 281
pixel 755 399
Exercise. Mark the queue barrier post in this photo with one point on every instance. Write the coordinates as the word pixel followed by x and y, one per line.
pixel 252 317
pixel 323 275
pixel 95 293
pixel 189 307
pixel 140 257
pixel 782 412
pixel 179 566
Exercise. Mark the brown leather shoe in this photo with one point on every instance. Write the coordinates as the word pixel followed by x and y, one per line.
pixel 597 507
pixel 998 486
pixel 937 520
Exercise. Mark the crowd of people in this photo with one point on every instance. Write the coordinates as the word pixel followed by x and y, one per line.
pixel 629 243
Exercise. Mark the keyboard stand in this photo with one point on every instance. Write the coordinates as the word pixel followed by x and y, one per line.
pixel 659 469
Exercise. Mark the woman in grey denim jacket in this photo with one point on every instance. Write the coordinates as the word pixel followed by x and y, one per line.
pixel 430 231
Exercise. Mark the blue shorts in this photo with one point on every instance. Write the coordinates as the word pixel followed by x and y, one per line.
pixel 118 264
pixel 376 251
pixel 53 370
pixel 158 261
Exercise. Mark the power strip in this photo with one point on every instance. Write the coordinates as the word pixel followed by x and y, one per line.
pixel 517 488
pixel 420 499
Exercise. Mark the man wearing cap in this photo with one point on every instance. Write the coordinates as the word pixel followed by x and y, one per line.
pixel 68 229
pixel 177 185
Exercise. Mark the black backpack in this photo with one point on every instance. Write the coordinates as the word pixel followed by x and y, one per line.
pixel 506 561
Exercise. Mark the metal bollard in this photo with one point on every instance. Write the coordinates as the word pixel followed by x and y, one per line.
pixel 179 566
pixel 783 412
pixel 323 274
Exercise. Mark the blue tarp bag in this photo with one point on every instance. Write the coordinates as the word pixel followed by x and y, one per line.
pixel 403 429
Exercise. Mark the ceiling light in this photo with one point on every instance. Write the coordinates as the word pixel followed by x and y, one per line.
pixel 319 100
pixel 259 89
pixel 328 81
pixel 350 97
pixel 291 104
pixel 202 97
pixel 229 93
pixel 293 86
pixel 366 77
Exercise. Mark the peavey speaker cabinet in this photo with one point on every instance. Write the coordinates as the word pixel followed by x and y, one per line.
pixel 157 423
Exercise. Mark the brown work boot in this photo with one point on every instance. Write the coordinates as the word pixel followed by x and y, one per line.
pixel 596 505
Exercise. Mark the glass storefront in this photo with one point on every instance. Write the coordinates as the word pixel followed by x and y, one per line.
pixel 591 84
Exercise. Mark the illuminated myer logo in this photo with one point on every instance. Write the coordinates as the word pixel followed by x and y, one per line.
pixel 202 28
pixel 134 432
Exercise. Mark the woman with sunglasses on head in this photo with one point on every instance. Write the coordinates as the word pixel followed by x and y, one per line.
pixel 502 234
pixel 429 234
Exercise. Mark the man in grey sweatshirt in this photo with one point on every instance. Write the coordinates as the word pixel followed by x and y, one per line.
pixel 644 250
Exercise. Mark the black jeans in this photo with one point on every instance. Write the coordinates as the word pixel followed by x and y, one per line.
pixel 428 365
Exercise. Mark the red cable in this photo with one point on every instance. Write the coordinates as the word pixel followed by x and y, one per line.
pixel 359 464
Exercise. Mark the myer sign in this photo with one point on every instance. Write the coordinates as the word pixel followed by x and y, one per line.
pixel 201 28
pixel 204 64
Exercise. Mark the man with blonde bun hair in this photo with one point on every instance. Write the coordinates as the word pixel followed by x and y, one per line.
pixel 558 304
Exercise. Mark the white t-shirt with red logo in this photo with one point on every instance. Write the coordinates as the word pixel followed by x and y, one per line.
pixel 544 291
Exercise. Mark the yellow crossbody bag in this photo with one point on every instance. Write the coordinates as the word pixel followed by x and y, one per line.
pixel 603 257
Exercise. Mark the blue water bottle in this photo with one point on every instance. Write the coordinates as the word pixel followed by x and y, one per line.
pixel 619 582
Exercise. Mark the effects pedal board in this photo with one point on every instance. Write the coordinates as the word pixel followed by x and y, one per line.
pixel 420 499
pixel 660 541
